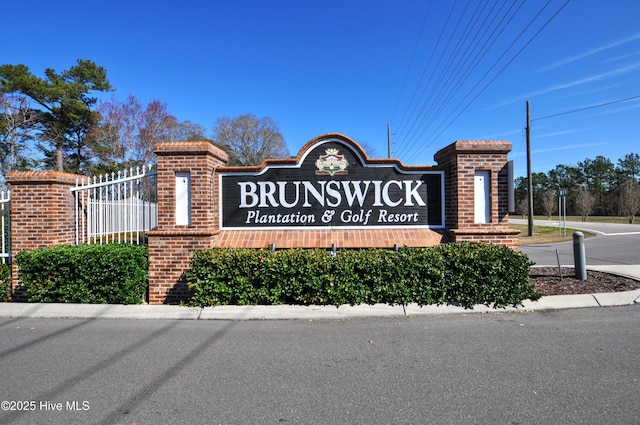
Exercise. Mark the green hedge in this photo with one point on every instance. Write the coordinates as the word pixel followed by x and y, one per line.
pixel 91 274
pixel 463 273
pixel 5 282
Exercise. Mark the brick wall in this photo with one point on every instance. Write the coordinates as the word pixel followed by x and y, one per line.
pixel 461 160
pixel 171 245
pixel 352 238
pixel 42 213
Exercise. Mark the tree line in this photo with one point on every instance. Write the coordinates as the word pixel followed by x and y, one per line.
pixel 593 187
pixel 57 122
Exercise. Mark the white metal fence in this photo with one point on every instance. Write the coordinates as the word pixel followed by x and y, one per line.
pixel 5 220
pixel 117 208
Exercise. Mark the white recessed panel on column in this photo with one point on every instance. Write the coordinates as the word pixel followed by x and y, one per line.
pixel 183 198
pixel 482 196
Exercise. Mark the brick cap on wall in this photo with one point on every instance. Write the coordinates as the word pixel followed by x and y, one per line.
pixel 42 177
pixel 353 238
pixel 190 148
pixel 484 231
pixel 473 146
pixel 179 232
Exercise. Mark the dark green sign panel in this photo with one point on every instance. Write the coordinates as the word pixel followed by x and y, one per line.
pixel 332 187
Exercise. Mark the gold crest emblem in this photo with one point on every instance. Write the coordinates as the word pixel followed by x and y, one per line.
pixel 331 163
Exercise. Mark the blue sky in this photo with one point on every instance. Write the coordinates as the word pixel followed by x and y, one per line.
pixel 437 71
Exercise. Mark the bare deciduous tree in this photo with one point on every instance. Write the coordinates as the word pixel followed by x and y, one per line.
pixel 629 200
pixel 584 202
pixel 249 140
pixel 127 132
pixel 185 131
pixel 549 204
pixel 156 121
pixel 114 140
pixel 17 125
pixel 522 207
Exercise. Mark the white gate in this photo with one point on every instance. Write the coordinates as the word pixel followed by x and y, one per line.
pixel 117 208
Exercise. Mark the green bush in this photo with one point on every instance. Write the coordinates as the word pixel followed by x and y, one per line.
pixel 476 273
pixel 422 272
pixel 5 282
pixel 227 276
pixel 295 276
pixel 349 283
pixel 464 273
pixel 91 274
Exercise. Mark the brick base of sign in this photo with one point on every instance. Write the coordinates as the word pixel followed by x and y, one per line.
pixel 501 237
pixel 170 255
pixel 356 238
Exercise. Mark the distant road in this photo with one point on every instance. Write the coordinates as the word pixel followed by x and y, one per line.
pixel 610 229
pixel 614 244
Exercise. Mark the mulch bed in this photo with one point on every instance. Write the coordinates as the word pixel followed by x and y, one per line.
pixel 547 280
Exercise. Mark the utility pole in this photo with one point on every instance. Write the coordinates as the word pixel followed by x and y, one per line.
pixel 389 140
pixel 529 179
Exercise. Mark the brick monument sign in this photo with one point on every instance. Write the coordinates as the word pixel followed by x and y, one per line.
pixel 330 195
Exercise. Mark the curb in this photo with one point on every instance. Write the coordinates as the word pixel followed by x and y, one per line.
pixel 298 312
pixel 613 299
pixel 97 311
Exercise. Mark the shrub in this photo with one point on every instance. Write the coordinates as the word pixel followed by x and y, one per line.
pixel 242 276
pixel 350 283
pixel 422 272
pixel 97 274
pixel 464 273
pixel 226 275
pixel 5 282
pixel 296 276
pixel 483 273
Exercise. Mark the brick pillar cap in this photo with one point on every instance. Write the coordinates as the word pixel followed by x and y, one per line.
pixel 190 148
pixel 473 146
pixel 41 177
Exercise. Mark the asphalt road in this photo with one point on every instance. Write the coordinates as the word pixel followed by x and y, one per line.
pixel 613 244
pixel 559 367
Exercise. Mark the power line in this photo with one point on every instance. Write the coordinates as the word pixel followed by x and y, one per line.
pixel 444 125
pixel 424 71
pixel 475 35
pixel 413 54
pixel 440 104
pixel 587 108
pixel 445 79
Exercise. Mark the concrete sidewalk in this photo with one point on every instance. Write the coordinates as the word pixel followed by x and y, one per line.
pixel 296 312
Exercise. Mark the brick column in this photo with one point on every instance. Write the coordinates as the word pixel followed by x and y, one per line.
pixel 461 160
pixel 171 244
pixel 42 213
